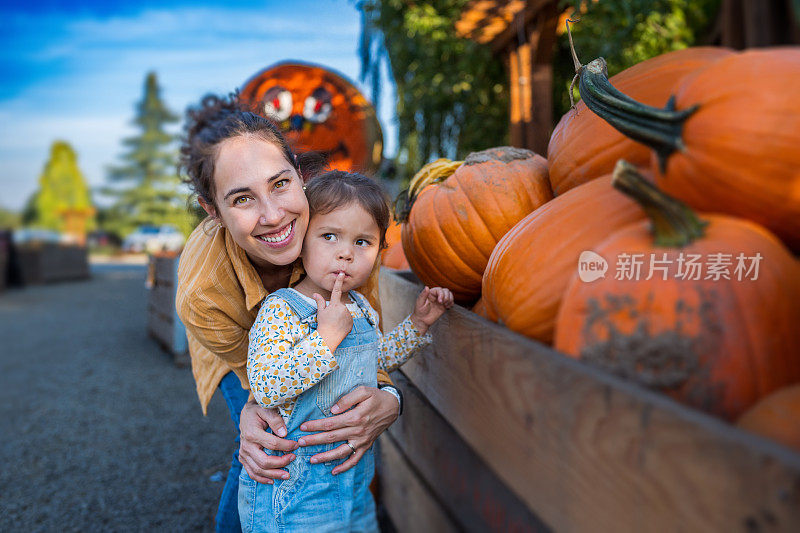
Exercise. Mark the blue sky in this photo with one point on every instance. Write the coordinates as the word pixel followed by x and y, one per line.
pixel 73 70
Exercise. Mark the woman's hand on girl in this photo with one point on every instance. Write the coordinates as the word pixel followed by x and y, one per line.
pixel 431 304
pixel 373 410
pixel 253 423
pixel 334 321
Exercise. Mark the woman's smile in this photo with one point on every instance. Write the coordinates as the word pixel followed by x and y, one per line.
pixel 280 238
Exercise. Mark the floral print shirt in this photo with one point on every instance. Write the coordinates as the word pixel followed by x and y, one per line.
pixel 285 357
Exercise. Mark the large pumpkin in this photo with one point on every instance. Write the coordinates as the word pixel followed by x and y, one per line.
pixel 584 146
pixel 717 344
pixel 728 143
pixel 777 417
pixel 393 256
pixel 454 225
pixel 318 110
pixel 532 264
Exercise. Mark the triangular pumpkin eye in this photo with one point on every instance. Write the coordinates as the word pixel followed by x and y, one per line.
pixel 278 103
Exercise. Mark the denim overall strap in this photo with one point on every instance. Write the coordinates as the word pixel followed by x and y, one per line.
pixel 362 303
pixel 303 309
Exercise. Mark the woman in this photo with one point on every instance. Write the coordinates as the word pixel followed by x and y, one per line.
pixel 250 184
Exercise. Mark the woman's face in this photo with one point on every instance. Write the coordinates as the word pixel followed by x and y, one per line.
pixel 260 200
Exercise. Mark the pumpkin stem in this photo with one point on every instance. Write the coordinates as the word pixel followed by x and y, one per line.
pixel 578 66
pixel 658 128
pixel 434 172
pixel 673 223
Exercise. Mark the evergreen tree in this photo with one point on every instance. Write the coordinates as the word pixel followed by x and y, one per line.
pixel 63 195
pixel 146 186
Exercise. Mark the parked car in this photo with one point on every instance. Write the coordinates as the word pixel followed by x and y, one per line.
pixel 153 239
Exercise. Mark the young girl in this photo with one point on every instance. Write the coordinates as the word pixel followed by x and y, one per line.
pixel 315 342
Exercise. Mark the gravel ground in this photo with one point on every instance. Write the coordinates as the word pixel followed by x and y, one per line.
pixel 100 431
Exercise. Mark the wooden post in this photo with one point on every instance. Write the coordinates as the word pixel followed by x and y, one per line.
pixel 757 23
pixel 542 39
pixel 515 115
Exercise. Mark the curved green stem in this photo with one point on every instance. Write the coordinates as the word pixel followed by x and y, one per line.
pixel 658 128
pixel 673 223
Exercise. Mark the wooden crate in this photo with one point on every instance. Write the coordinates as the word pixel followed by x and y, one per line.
pixel 502 433
pixel 49 262
pixel 163 323
pixel 5 256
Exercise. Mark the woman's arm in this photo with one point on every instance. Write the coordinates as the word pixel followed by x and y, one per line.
pixel 283 360
pixel 253 424
pixel 366 412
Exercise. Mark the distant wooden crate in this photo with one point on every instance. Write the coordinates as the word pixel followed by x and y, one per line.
pixel 502 433
pixel 50 262
pixel 5 256
pixel 163 323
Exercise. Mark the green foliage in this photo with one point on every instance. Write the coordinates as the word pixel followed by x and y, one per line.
pixel 626 32
pixel 451 92
pixel 62 189
pixel 9 219
pixel 146 186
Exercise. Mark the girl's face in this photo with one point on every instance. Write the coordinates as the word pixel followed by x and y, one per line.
pixel 345 240
pixel 260 200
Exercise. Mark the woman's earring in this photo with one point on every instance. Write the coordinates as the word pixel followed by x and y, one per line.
pixel 304 187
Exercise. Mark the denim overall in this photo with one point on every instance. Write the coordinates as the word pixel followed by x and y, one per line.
pixel 313 499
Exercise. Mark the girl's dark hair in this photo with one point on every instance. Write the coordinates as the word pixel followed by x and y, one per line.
pixel 216 119
pixel 336 188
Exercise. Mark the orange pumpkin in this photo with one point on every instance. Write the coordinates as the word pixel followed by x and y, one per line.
pixel 728 142
pixel 480 308
pixel 776 417
pixel 584 146
pixel 717 344
pixel 393 256
pixel 532 264
pixel 318 110
pixel 454 225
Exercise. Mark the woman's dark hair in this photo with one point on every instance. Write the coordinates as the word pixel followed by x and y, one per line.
pixel 216 119
pixel 336 188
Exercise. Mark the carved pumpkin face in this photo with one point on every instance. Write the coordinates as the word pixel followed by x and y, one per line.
pixel 318 110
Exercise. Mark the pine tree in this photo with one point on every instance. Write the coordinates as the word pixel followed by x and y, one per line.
pixel 146 186
pixel 63 202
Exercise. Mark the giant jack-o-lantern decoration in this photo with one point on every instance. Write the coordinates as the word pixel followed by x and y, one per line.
pixel 318 110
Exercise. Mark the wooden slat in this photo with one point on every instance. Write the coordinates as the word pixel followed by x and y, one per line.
pixel 587 451
pixel 460 479
pixel 162 298
pixel 409 502
pixel 160 327
pixel 61 263
pixel 165 270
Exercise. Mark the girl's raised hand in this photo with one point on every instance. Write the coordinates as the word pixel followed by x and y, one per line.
pixel 334 321
pixel 431 304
